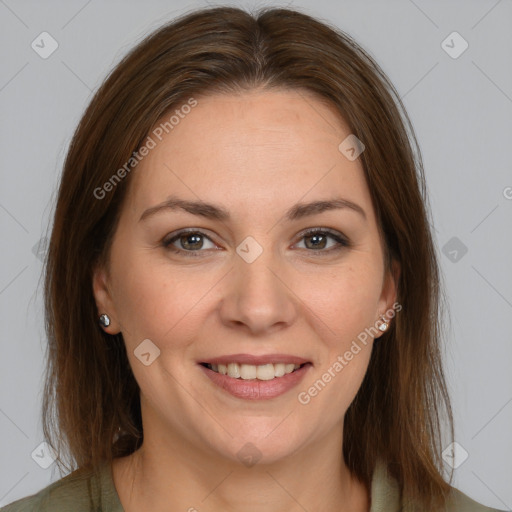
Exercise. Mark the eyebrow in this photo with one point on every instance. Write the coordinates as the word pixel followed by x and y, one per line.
pixel 215 212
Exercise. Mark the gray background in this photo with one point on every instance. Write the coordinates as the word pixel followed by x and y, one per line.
pixel 461 109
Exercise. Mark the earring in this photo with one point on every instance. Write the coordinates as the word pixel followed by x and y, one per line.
pixel 104 320
pixel 384 325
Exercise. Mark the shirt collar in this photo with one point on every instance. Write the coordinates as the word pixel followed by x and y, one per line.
pixel 385 493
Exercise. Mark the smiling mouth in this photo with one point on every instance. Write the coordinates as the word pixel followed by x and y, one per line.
pixel 254 372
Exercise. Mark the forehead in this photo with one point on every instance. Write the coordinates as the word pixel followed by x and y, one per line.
pixel 277 146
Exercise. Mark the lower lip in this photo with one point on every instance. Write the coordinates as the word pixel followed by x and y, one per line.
pixel 254 389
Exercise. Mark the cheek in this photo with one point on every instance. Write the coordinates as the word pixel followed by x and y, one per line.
pixel 345 300
pixel 156 301
pixel 350 308
pixel 346 383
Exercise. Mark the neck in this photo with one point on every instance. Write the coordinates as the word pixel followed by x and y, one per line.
pixel 168 475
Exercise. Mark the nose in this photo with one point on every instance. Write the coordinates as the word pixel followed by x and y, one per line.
pixel 257 297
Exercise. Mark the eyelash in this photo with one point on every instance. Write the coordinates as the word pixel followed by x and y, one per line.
pixel 342 241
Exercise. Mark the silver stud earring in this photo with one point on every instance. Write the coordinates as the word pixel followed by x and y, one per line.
pixel 384 325
pixel 104 320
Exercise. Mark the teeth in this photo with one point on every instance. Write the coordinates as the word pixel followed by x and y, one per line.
pixel 233 370
pixel 279 369
pixel 265 372
pixel 250 371
pixel 247 371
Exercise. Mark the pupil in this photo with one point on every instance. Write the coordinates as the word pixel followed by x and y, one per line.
pixel 194 245
pixel 316 237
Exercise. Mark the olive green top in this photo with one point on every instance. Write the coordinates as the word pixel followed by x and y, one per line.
pixel 95 492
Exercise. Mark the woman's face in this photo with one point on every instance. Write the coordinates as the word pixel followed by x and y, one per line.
pixel 247 286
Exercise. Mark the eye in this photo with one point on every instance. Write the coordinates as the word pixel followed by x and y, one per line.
pixel 316 239
pixel 190 241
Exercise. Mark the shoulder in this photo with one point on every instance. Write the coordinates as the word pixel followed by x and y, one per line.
pixel 80 491
pixel 386 496
pixel 68 493
pixel 459 502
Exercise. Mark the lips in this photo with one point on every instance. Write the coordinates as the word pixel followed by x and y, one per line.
pixel 255 377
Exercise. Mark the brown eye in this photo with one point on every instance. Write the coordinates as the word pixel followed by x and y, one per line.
pixel 317 240
pixel 191 241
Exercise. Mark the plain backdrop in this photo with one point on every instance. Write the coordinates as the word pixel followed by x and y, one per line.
pixel 460 102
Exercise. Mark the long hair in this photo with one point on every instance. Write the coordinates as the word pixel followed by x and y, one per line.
pixel 91 407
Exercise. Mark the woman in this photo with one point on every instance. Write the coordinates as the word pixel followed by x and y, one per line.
pixel 243 209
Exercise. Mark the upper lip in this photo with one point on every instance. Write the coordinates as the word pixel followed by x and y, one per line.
pixel 255 360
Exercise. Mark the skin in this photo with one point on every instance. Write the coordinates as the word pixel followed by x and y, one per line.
pixel 256 154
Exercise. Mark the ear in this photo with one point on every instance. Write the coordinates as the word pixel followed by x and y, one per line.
pixel 103 298
pixel 389 293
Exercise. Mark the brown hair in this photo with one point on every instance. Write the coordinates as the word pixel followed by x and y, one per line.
pixel 90 392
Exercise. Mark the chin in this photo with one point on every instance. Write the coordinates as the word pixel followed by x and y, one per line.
pixel 262 444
